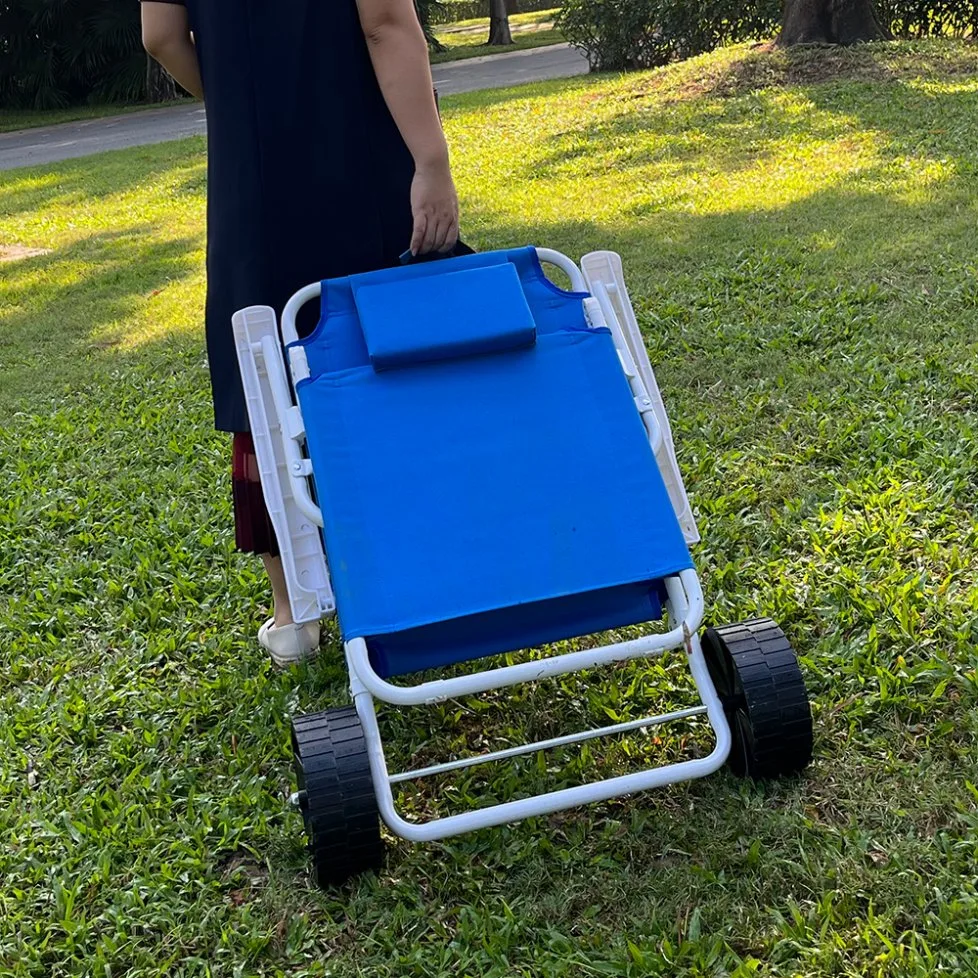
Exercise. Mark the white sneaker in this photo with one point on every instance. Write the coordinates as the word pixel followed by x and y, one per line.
pixel 289 645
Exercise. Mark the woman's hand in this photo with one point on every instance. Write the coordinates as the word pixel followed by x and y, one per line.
pixel 399 54
pixel 434 204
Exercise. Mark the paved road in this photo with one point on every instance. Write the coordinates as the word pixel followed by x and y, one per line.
pixel 49 144
pixel 502 70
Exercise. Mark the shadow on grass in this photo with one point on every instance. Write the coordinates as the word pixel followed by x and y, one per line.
pixel 847 233
pixel 30 189
pixel 716 136
pixel 65 312
pixel 733 119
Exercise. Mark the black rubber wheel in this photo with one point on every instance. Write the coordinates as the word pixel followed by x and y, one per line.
pixel 336 795
pixel 759 681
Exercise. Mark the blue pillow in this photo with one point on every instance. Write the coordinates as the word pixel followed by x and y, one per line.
pixel 446 317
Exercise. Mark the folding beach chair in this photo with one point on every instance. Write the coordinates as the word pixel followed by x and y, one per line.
pixel 467 461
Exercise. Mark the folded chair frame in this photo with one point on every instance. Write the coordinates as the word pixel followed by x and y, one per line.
pixel 733 698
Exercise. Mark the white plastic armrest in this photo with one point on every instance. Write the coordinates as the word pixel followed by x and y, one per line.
pixel 275 425
pixel 644 403
pixel 605 276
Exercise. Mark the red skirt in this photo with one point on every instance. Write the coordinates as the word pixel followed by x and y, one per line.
pixel 253 530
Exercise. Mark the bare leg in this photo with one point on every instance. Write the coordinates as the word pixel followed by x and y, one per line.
pixel 280 594
pixel 286 642
pixel 282 610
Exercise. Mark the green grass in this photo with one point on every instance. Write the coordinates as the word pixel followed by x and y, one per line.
pixel 12 120
pixel 518 23
pixel 467 38
pixel 800 249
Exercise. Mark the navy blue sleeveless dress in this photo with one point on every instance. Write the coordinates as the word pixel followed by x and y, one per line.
pixel 308 176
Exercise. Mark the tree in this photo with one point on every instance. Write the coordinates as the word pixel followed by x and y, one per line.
pixel 499 32
pixel 425 9
pixel 831 22
pixel 160 87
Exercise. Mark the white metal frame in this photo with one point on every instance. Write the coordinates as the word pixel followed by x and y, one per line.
pixel 279 436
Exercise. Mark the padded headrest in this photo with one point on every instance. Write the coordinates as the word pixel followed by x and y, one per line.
pixel 444 317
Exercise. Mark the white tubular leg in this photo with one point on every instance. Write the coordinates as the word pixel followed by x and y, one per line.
pixel 553 801
pixel 568 740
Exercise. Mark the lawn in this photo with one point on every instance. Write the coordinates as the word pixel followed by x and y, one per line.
pixel 800 245
pixel 467 38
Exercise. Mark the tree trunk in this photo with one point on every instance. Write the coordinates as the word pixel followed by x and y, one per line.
pixel 423 8
pixel 160 87
pixel 499 32
pixel 831 22
pixel 512 7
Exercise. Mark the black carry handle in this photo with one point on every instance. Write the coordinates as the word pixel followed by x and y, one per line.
pixel 460 249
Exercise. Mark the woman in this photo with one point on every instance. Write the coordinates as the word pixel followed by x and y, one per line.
pixel 326 157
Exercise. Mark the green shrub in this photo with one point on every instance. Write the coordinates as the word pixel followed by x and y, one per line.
pixel 428 11
pixel 61 52
pixel 922 18
pixel 623 35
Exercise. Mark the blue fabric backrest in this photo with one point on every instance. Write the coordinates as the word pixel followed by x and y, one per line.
pixel 488 503
pixel 424 320
pixel 338 341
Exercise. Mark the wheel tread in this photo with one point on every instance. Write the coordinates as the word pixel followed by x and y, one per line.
pixel 340 811
pixel 770 714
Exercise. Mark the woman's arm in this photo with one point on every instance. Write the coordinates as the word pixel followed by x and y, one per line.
pixel 166 37
pixel 400 58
